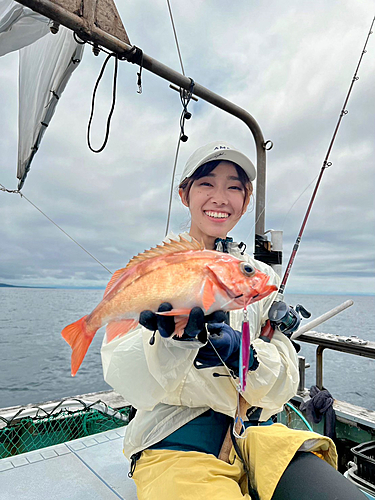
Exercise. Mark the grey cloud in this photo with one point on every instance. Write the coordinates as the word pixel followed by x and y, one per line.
pixel 290 64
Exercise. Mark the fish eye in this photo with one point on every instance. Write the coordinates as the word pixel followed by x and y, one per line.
pixel 246 269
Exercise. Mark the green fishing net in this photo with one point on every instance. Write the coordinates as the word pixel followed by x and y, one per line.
pixel 34 428
pixel 39 427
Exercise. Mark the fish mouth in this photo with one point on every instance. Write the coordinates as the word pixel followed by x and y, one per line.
pixel 266 290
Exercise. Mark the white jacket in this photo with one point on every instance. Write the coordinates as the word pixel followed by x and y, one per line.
pixel 168 391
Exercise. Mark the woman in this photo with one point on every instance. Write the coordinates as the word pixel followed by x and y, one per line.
pixel 182 388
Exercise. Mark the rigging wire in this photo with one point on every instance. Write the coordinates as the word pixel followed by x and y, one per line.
pixel 175 37
pixel 16 191
pixel 172 185
pixel 185 96
pixel 66 234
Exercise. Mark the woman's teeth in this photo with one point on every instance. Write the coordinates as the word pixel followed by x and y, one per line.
pixel 217 215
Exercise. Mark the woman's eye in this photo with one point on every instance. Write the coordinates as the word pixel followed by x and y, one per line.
pixel 238 188
pixel 205 184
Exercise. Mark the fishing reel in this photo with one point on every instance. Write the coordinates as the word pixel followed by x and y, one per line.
pixel 286 318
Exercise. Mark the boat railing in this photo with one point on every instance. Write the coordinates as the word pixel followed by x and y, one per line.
pixel 350 345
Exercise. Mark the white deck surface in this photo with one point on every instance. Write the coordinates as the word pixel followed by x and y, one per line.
pixel 89 468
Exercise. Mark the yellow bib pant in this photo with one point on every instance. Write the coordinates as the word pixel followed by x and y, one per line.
pixel 190 475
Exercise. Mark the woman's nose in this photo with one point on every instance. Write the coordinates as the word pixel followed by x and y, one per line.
pixel 219 197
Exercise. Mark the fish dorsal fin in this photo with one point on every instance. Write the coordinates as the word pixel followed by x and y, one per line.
pixel 173 246
pixel 115 276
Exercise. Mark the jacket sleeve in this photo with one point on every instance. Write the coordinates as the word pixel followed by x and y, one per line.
pixel 146 374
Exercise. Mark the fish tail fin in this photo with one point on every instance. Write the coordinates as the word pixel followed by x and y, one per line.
pixel 79 340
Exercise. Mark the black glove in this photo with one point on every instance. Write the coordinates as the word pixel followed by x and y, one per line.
pixel 224 342
pixel 195 327
pixel 223 346
pixel 153 322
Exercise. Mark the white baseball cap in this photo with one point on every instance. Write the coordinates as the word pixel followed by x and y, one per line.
pixel 218 150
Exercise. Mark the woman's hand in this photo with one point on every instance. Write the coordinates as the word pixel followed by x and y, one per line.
pixel 195 328
pixel 223 346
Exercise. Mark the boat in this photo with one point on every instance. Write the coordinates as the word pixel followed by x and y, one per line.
pixel 52 463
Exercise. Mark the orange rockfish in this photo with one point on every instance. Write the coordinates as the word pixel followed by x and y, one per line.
pixel 180 272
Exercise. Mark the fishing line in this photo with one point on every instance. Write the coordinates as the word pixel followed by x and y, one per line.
pixel 290 209
pixel 325 165
pixel 2 188
pixel 230 372
pixel 255 223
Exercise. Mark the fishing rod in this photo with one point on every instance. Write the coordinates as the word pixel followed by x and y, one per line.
pixel 281 315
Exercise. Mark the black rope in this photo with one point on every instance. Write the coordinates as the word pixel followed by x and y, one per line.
pixel 112 107
pixel 16 191
pixel 42 413
pixel 185 96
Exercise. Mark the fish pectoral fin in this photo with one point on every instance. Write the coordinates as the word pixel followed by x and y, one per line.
pixel 208 294
pixel 119 328
pixel 175 312
pixel 180 323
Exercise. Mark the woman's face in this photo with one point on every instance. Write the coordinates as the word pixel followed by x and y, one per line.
pixel 216 203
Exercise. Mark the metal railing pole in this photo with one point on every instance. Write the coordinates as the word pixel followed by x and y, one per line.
pixel 88 31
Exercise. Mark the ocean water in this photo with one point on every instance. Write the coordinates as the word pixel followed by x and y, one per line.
pixel 35 360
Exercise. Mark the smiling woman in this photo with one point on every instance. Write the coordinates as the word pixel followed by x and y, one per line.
pixel 188 386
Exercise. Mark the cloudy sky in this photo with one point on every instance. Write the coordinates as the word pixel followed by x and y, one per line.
pixel 290 64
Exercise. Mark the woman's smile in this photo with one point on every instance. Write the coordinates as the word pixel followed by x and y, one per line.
pixel 219 216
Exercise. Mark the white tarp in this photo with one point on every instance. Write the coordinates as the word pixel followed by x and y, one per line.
pixel 45 66
pixel 19 26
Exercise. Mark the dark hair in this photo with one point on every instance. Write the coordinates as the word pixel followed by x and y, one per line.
pixel 207 168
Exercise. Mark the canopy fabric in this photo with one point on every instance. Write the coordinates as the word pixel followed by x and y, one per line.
pixel 19 26
pixel 46 63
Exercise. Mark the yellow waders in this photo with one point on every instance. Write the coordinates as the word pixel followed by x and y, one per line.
pixel 181 475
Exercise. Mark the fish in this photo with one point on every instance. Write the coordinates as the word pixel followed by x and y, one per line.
pixel 180 272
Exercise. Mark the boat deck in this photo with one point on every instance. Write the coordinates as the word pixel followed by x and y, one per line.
pixel 89 468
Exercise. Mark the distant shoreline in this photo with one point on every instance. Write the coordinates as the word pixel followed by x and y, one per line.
pixel 4 285
pixel 30 287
